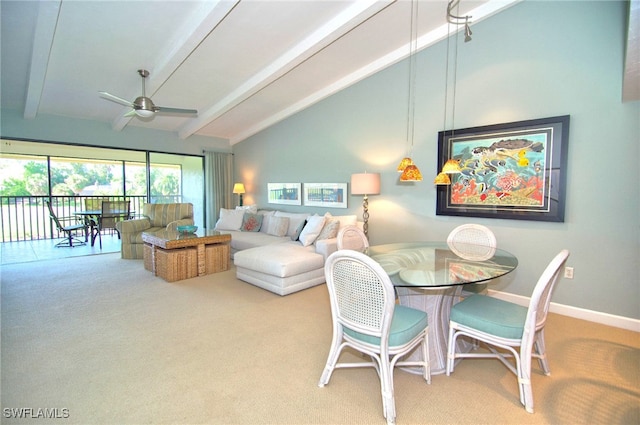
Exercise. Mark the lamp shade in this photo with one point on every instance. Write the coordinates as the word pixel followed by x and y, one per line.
pixel 442 179
pixel 406 161
pixel 411 174
pixel 238 188
pixel 452 166
pixel 365 184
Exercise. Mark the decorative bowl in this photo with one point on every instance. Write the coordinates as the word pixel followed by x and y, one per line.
pixel 187 229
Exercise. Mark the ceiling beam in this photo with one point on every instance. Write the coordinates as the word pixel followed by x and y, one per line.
pixel 428 39
pixel 192 33
pixel 355 14
pixel 631 82
pixel 45 30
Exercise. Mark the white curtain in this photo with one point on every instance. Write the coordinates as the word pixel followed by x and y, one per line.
pixel 218 183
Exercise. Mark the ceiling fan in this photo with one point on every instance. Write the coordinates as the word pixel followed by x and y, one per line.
pixel 144 106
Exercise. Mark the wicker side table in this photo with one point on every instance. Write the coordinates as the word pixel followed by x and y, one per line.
pixel 217 258
pixel 175 256
pixel 176 264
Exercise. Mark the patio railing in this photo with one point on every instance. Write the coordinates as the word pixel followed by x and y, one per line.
pixel 24 218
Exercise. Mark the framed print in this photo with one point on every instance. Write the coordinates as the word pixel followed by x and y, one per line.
pixel 330 195
pixel 284 193
pixel 514 171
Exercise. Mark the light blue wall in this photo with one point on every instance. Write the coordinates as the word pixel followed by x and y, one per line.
pixel 85 132
pixel 534 60
pixel 61 129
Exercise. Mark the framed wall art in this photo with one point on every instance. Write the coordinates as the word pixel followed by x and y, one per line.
pixel 513 171
pixel 329 195
pixel 284 193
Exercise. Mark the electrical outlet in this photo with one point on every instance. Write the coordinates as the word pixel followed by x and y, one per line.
pixel 568 272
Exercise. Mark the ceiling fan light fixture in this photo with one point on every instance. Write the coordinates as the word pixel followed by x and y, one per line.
pixel 143 106
pixel 144 113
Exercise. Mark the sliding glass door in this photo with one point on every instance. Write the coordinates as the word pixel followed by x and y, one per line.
pixel 32 172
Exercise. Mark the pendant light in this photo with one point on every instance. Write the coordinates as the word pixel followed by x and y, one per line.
pixel 452 166
pixel 410 171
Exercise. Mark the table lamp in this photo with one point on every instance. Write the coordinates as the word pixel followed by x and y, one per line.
pixel 238 189
pixel 365 184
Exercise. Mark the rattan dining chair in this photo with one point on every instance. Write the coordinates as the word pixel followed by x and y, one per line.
pixel 367 319
pixel 472 242
pixel 511 327
pixel 352 237
pixel 68 230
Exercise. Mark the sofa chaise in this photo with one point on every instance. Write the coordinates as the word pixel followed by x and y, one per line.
pixel 279 251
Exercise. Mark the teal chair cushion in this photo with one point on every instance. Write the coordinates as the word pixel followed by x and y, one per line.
pixel 405 325
pixel 491 315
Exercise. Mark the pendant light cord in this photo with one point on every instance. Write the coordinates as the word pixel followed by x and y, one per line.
pixel 411 102
pixel 446 80
pixel 455 75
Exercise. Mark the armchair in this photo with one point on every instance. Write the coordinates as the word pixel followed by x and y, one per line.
pixel 155 217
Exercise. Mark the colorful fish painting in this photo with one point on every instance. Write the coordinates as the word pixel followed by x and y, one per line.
pixel 499 171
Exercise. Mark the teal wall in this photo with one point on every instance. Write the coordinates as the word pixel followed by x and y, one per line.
pixel 48 128
pixel 86 132
pixel 534 60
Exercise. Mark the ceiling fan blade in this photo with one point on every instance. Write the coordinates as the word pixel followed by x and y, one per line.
pixel 166 110
pixel 131 113
pixel 116 99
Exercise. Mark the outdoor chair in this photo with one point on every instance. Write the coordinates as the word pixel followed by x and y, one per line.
pixel 112 213
pixel 367 319
pixel 513 328
pixel 93 204
pixel 68 230
pixel 352 237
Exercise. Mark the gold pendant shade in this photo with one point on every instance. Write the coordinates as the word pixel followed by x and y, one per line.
pixel 442 179
pixel 411 174
pixel 406 161
pixel 452 166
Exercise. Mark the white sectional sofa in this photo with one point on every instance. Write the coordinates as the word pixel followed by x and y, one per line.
pixel 279 251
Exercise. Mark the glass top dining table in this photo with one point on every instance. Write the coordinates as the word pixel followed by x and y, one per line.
pixel 438 265
pixel 430 275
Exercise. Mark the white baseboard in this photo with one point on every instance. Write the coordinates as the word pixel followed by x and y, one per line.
pixel 578 313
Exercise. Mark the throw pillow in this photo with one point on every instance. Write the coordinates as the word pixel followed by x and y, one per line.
pixel 294 222
pixel 229 219
pixel 253 209
pixel 295 235
pixel 330 229
pixel 266 217
pixel 251 222
pixel 278 226
pixel 311 230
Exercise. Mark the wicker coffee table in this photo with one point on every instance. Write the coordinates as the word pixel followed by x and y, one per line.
pixel 176 256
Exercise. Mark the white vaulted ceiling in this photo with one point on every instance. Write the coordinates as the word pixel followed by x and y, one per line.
pixel 243 64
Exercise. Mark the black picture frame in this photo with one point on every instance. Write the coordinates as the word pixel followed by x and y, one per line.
pixel 513 171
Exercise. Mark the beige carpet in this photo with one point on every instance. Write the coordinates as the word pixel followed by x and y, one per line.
pixel 104 342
